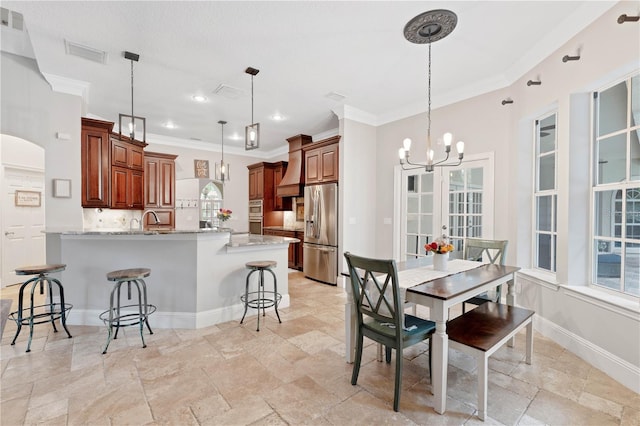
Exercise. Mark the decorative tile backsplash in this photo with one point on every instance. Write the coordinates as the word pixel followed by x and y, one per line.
pixel 109 219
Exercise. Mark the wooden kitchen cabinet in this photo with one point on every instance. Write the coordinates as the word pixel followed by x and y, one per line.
pixel 95 163
pixel 256 181
pixel 127 188
pixel 127 174
pixel 299 250
pixel 322 161
pixel 159 189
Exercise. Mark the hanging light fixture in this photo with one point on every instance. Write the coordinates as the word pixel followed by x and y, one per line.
pixel 222 168
pixel 426 28
pixel 252 131
pixel 132 118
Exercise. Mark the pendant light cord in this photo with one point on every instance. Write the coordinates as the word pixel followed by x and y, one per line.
pixel 133 124
pixel 252 100
pixel 429 98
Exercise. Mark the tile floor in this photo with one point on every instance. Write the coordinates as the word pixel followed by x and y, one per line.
pixel 287 374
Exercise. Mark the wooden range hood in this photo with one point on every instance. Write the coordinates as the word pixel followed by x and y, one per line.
pixel 292 184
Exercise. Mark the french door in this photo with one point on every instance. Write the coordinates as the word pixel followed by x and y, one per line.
pixel 454 201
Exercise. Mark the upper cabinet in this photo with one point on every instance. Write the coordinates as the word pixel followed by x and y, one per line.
pixel 159 188
pixel 256 181
pixel 96 162
pixel 322 161
pixel 112 167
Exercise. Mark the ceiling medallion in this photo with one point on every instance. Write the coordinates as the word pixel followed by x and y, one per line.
pixel 430 26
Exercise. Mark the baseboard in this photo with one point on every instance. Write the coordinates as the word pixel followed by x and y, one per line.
pixel 183 320
pixel 619 369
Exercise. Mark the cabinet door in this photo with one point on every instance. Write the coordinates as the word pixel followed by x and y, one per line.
pixel 329 164
pixel 95 148
pixel 152 184
pixel 256 183
pixel 167 183
pixel 136 190
pixel 312 166
pixel 120 177
pixel 136 157
pixel 119 154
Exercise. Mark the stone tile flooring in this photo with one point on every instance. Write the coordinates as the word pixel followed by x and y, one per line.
pixel 287 374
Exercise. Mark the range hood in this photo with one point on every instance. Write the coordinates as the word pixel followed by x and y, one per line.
pixel 292 184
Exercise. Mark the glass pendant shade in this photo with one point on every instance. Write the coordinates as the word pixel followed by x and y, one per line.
pixel 221 171
pixel 252 136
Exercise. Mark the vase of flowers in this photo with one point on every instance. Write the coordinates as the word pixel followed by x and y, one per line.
pixel 224 215
pixel 440 248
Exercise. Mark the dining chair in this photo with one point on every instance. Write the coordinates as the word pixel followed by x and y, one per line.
pixel 493 251
pixel 380 314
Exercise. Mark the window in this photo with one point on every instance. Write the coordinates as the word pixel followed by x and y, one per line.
pixel 419 213
pixel 545 195
pixel 616 187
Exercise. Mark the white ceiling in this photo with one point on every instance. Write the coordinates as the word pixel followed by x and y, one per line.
pixel 304 51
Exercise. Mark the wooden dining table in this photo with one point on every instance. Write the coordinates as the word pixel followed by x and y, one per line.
pixel 438 294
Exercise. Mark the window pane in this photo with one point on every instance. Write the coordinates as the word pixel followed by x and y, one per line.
pixel 635 151
pixel 426 201
pixel 604 212
pixel 607 265
pixel 456 180
pixel 412 244
pixel 612 159
pixel 635 100
pixel 412 224
pixel 426 224
pixel 412 204
pixel 547 134
pixel 474 177
pixel 632 269
pixel 613 109
pixel 633 213
pixel 543 209
pixel 544 251
pixel 547 172
pixel 426 182
pixel 412 186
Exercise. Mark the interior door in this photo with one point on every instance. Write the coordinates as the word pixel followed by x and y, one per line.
pixel 23 242
pixel 468 212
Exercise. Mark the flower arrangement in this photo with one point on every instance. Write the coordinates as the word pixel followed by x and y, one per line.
pixel 439 245
pixel 224 214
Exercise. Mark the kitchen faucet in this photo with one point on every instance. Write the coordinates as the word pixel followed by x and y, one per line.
pixel 155 216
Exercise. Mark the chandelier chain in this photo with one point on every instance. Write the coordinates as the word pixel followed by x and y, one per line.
pixel 429 97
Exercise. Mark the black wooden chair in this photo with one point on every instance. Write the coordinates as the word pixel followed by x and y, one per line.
pixel 376 294
pixel 494 251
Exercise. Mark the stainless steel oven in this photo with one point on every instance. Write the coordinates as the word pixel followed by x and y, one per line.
pixel 255 217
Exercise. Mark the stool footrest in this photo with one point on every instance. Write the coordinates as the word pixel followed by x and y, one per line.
pixel 43 315
pixel 126 319
pixel 253 299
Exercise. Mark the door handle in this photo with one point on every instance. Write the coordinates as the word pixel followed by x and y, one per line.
pixel 9 233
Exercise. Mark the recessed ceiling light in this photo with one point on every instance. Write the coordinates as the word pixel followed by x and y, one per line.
pixel 170 125
pixel 277 117
pixel 236 137
pixel 199 98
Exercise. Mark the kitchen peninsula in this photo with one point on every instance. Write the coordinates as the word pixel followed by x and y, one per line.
pixel 197 276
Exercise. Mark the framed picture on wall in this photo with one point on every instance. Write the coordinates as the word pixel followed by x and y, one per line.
pixel 62 188
pixel 201 168
pixel 28 198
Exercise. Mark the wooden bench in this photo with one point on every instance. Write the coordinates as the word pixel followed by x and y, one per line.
pixel 482 331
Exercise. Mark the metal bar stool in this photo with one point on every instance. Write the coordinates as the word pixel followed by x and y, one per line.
pixel 261 298
pixel 118 315
pixel 38 314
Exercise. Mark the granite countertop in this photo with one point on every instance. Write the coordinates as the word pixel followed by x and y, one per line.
pixel 244 240
pixel 284 228
pixel 117 231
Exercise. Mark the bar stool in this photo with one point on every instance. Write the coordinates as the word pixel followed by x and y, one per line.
pixel 261 298
pixel 38 314
pixel 118 315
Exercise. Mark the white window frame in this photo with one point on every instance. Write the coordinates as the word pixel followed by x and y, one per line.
pixel 537 194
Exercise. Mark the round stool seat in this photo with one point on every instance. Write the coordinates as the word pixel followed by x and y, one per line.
pixel 128 274
pixel 261 264
pixel 40 269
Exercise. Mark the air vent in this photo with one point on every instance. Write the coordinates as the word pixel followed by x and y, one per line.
pixel 85 52
pixel 11 19
pixel 229 92
pixel 335 96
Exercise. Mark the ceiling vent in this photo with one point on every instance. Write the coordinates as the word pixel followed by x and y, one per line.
pixel 11 19
pixel 229 92
pixel 85 52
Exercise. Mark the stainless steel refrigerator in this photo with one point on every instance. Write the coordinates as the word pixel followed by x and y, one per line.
pixel 320 260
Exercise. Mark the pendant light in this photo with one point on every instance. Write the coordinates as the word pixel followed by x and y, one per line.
pixel 426 28
pixel 252 131
pixel 222 168
pixel 132 118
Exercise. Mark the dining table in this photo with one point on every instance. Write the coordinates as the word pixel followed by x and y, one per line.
pixel 438 290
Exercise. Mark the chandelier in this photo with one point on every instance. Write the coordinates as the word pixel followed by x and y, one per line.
pixel 426 28
pixel 222 168
pixel 133 57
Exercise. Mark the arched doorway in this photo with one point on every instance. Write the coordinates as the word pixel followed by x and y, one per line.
pixel 23 206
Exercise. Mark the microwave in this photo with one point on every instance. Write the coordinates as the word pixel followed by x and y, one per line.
pixel 255 209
